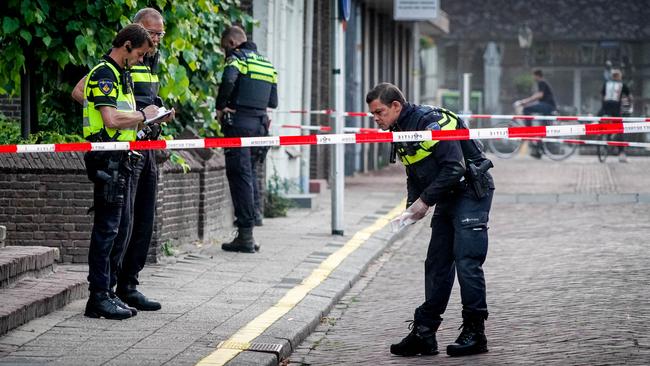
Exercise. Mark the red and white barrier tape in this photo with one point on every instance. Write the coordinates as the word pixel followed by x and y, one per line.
pixel 645 145
pixel 359 138
pixel 545 139
pixel 495 116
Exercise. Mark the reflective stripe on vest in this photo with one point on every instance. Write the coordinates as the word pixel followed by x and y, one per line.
pixel 92 117
pixel 449 121
pixel 145 85
pixel 256 67
pixel 256 81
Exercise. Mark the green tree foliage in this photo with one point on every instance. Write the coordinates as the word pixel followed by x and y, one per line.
pixel 66 39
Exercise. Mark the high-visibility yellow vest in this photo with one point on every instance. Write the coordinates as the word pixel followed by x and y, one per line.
pixel 257 77
pixel 413 152
pixel 92 118
pixel 145 84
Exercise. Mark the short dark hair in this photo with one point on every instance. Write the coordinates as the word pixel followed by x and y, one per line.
pixel 235 32
pixel 539 73
pixel 387 93
pixel 134 33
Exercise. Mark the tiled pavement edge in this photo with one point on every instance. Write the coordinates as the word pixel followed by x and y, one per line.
pixel 290 330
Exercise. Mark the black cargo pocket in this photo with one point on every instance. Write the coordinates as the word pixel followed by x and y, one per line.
pixel 472 234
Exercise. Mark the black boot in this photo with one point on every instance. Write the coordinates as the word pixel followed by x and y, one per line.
pixel 244 242
pixel 121 304
pixel 136 299
pixel 421 340
pixel 472 339
pixel 100 305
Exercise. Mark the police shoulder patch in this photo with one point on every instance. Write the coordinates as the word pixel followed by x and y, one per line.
pixel 106 86
pixel 434 126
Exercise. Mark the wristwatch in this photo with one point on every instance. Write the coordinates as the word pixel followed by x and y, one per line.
pixel 144 116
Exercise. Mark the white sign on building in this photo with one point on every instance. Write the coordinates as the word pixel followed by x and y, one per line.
pixel 416 9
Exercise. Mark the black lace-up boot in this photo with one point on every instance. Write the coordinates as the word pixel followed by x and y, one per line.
pixel 244 242
pixel 472 339
pixel 421 341
pixel 121 303
pixel 100 305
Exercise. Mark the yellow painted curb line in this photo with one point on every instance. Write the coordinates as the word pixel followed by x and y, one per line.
pixel 240 341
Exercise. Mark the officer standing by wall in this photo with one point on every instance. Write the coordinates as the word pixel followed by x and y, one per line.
pixel 110 115
pixel 452 175
pixel 144 180
pixel 248 88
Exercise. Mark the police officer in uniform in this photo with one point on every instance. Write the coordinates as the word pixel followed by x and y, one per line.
pixel 248 88
pixel 144 179
pixel 110 115
pixel 145 173
pixel 452 175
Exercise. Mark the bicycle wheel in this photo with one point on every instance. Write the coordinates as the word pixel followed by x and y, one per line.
pixel 505 148
pixel 559 151
pixel 602 150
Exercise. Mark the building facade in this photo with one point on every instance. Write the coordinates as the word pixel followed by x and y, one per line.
pixel 573 42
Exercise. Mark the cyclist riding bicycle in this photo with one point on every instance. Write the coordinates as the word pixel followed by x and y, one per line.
pixel 540 103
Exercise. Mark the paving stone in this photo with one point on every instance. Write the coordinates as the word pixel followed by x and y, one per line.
pixel 568 288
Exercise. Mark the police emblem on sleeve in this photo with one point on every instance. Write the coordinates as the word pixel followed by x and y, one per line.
pixel 106 86
pixel 434 126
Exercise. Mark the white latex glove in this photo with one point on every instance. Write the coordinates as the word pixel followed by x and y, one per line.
pixel 400 222
pixel 418 209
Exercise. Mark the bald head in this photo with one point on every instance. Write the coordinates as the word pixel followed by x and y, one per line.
pixel 232 37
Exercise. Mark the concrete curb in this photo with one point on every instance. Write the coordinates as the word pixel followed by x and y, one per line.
pixel 553 198
pixel 295 326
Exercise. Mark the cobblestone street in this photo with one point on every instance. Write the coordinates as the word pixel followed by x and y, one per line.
pixel 567 285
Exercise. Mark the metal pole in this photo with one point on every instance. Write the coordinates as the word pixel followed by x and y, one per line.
pixel 467 82
pixel 416 66
pixel 337 168
pixel 305 150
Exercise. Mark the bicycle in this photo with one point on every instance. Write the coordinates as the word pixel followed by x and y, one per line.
pixel 507 148
pixel 605 150
pixel 602 151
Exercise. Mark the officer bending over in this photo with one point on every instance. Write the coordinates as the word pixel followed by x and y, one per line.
pixel 110 115
pixel 452 175
pixel 248 88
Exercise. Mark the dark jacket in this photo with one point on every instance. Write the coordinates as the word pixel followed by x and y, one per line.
pixel 440 173
pixel 235 95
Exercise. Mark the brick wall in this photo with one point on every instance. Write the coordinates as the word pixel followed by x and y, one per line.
pixel 44 199
pixel 10 107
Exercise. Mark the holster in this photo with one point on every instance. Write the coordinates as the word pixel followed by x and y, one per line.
pixel 479 181
pixel 109 169
pixel 259 153
pixel 227 119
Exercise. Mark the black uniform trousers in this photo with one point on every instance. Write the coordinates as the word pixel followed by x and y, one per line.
pixel 459 244
pixel 144 185
pixel 241 167
pixel 110 234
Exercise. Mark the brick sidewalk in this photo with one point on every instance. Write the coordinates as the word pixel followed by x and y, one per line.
pixel 209 294
pixel 576 175
pixel 567 285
